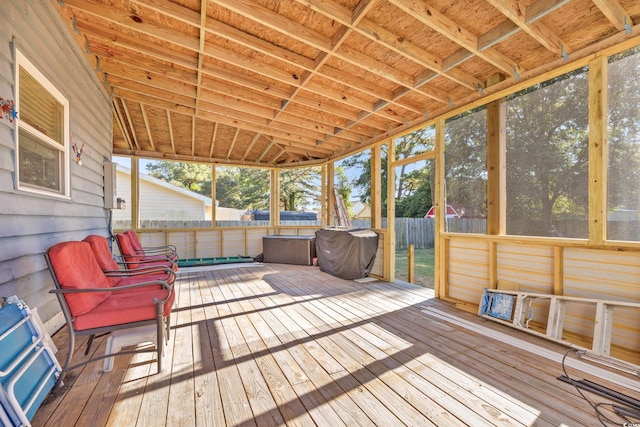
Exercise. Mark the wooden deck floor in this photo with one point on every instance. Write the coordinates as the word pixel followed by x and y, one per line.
pixel 290 345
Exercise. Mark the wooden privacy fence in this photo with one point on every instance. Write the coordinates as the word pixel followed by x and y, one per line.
pixel 418 232
pixel 177 224
pixel 409 231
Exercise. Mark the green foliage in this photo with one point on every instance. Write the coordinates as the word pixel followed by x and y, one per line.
pixel 624 131
pixel 414 193
pixel 360 165
pixel 466 162
pixel 547 151
pixel 300 188
pixel 192 176
pixel 242 188
pixel 341 183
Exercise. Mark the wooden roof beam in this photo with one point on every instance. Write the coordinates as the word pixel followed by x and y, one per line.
pixel 249 124
pixel 265 151
pixel 537 30
pixel 542 8
pixel 130 121
pixel 240 119
pixel 120 17
pixel 437 21
pixel 615 13
pixel 220 54
pixel 121 119
pixel 292 29
pixel 277 156
pixel 233 143
pixel 387 39
pixel 250 146
pixel 193 135
pixel 201 49
pixel 213 139
pixel 145 118
pixel 226 31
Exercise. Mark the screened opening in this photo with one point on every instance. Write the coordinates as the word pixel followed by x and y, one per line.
pixel 414 229
pixel 300 194
pixel 547 158
pixel 244 192
pixel 121 218
pixel 466 172
pixel 623 189
pixel 174 194
pixel 352 180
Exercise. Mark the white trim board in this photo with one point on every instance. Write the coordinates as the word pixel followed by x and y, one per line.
pixel 627 382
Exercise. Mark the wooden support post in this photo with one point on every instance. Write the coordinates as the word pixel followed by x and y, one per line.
pixel 376 187
pixel 558 270
pixel 390 241
pixel 493 265
pixel 331 208
pixel 324 198
pixel 598 133
pixel 496 167
pixel 214 205
pixel 275 199
pixel 441 244
pixel 135 194
pixel 410 263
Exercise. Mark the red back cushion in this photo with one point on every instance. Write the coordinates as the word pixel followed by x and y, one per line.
pixel 127 250
pixel 75 267
pixel 134 240
pixel 100 248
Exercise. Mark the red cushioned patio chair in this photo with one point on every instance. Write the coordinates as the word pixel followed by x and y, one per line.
pixel 168 250
pixel 117 277
pixel 133 259
pixel 92 306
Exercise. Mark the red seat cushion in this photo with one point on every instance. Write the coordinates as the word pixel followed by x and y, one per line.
pixel 124 307
pixel 76 267
pixel 124 281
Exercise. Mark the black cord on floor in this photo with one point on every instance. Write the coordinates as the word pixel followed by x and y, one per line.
pixel 597 407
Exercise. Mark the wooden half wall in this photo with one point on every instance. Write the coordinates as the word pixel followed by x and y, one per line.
pixel 234 241
pixel 547 267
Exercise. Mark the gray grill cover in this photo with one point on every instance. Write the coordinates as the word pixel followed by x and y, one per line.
pixel 346 253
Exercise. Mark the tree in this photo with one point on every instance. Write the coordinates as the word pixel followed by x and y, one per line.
pixel 466 162
pixel 415 198
pixel 547 154
pixel 342 185
pixel 407 187
pixel 299 188
pixel 192 176
pixel 624 131
pixel 242 188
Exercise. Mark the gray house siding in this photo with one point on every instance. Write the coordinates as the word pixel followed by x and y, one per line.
pixel 30 224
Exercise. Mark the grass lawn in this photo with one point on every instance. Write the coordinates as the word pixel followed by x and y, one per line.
pixel 423 267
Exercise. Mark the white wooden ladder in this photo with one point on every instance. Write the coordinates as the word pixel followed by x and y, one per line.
pixel 519 314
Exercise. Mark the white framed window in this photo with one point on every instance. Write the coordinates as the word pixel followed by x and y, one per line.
pixel 42 142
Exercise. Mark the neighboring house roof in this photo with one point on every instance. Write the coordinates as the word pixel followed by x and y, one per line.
pixel 167 185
